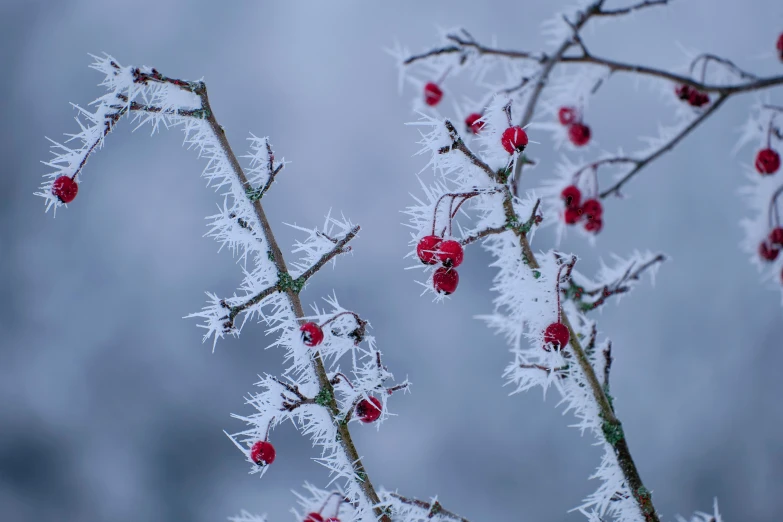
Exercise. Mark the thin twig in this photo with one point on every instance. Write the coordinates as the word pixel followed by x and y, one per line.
pixel 630 9
pixel 642 162
pixel 432 509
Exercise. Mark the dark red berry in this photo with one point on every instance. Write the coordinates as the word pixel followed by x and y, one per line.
pixel 432 94
pixel 779 47
pixel 567 115
pixel 427 249
pixel 572 215
pixel 767 161
pixel 572 196
pixel 579 134
pixel 698 99
pixel 474 123
pixel 445 280
pixel 262 453
pixel 450 253
pixel 683 92
pixel 65 189
pixel 776 236
pixel 514 138
pixel 592 209
pixel 594 226
pixel 312 335
pixel 557 335
pixel 768 252
pixel 369 411
pixel 314 517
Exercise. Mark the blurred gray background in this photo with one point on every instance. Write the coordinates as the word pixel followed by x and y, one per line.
pixel 111 408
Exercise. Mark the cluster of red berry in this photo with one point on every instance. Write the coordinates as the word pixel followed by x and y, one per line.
pixel 694 97
pixel 591 210
pixel 578 132
pixel 433 250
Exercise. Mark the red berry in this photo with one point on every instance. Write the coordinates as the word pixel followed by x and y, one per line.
pixel 427 249
pixel 592 209
pixel 262 453
pixel 514 138
pixel 768 252
pixel 312 335
pixel 683 92
pixel 579 134
pixel 368 411
pixel 767 161
pixel 333 519
pixel 65 189
pixel 445 280
pixel 567 115
pixel 779 46
pixel 557 335
pixel 314 517
pixel 594 226
pixel 432 94
pixel 697 99
pixel 776 236
pixel 572 196
pixel 572 215
pixel 450 253
pixel 474 123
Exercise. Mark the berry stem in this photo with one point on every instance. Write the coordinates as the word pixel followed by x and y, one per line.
pixel 358 319
pixel 335 380
pixel 328 498
pixel 268 427
pixel 444 75
pixel 773 208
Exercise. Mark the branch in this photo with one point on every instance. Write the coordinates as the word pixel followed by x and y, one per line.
pixel 339 248
pixel 630 9
pixel 480 235
pixel 458 144
pixel 612 428
pixel 200 89
pixel 432 508
pixel 641 163
pixel 620 286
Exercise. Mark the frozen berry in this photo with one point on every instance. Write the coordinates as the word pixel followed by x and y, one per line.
pixel 557 335
pixel 262 453
pixel 432 94
pixel 369 411
pixel 776 236
pixel 514 138
pixel 332 519
pixel 450 253
pixel 427 249
pixel 312 335
pixel 579 134
pixel 567 115
pixel 65 189
pixel 474 123
pixel 572 215
pixel 779 47
pixel 683 92
pixel 697 99
pixel 768 252
pixel 314 517
pixel 572 196
pixel 445 280
pixel 592 209
pixel 594 226
pixel 767 161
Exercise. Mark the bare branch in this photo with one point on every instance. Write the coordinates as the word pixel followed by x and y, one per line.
pixel 642 162
pixel 630 9
pixel 458 144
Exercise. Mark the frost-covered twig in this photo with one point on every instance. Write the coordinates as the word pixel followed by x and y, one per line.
pixel 428 510
pixel 310 396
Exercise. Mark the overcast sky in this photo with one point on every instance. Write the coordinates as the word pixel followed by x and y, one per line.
pixel 111 408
